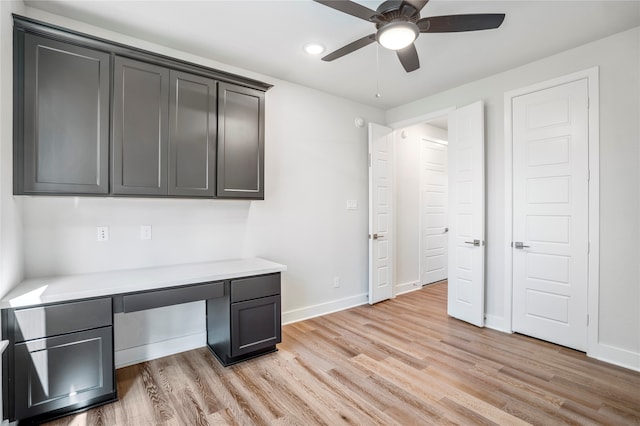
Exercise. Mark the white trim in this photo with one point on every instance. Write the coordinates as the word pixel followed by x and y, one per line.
pixel 421 118
pixel 407 287
pixel 394 214
pixel 309 312
pixel 3 346
pixel 620 357
pixel 594 348
pixel 138 354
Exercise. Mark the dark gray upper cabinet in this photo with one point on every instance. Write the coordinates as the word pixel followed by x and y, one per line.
pixel 140 128
pixel 94 117
pixel 61 83
pixel 240 142
pixel 192 143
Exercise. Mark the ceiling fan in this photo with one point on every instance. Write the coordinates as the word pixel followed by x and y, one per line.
pixel 398 24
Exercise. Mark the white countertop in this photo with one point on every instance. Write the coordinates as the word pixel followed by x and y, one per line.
pixel 37 291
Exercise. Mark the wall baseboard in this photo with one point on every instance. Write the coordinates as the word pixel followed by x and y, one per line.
pixel 309 312
pixel 606 353
pixel 620 357
pixel 135 355
pixel 407 287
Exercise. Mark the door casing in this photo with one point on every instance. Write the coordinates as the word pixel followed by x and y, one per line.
pixel 593 283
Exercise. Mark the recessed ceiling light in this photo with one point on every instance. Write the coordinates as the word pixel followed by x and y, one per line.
pixel 313 48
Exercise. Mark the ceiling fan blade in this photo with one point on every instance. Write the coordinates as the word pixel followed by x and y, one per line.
pixel 351 47
pixel 409 58
pixel 353 9
pixel 417 4
pixel 459 23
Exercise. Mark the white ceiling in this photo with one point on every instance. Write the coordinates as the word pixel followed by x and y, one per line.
pixel 267 36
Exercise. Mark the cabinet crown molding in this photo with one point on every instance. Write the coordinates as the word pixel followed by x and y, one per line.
pixel 22 23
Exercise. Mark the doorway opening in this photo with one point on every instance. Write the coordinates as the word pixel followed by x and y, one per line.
pixel 422 204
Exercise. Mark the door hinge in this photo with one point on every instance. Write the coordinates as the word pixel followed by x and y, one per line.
pixel 588 102
pixel 587 319
pixel 588 247
pixel 588 175
pixel 369 159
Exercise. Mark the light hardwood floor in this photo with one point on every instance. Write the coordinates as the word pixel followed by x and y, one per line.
pixel 402 361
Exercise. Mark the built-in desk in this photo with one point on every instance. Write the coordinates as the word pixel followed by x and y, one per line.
pixel 60 356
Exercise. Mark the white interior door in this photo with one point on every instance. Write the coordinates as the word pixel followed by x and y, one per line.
pixel 380 213
pixel 433 211
pixel 466 214
pixel 550 214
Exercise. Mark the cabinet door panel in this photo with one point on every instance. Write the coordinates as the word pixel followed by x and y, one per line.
pixel 66 116
pixel 140 129
pixel 255 325
pixel 57 372
pixel 192 122
pixel 240 142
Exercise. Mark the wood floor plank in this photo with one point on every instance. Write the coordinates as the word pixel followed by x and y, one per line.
pixel 399 362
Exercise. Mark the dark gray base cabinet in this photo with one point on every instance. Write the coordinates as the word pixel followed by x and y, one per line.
pixel 247 321
pixel 60 359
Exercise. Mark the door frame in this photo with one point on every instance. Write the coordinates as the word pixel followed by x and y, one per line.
pixel 593 282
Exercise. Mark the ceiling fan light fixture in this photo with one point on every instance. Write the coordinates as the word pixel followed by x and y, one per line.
pixel 397 35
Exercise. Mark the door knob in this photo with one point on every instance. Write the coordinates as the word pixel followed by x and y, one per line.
pixel 376 236
pixel 520 245
pixel 474 242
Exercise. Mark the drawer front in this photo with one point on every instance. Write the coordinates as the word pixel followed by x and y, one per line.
pixel 255 287
pixel 63 371
pixel 53 320
pixel 172 296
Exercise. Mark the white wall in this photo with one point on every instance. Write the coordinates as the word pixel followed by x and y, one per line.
pixel 315 160
pixel 407 173
pixel 10 221
pixel 618 58
pixel 10 224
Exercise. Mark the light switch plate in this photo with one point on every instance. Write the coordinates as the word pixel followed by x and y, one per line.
pixel 352 204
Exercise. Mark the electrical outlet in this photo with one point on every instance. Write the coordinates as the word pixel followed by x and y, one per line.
pixel 145 232
pixel 336 282
pixel 102 233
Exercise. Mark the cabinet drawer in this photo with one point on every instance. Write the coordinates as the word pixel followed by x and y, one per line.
pixel 52 320
pixel 255 287
pixel 172 296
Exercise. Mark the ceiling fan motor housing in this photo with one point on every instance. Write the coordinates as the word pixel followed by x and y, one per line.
pixel 391 6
